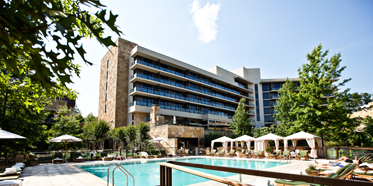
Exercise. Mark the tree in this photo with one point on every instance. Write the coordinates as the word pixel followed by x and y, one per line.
pixel 30 28
pixel 241 119
pixel 318 106
pixel 142 134
pixel 67 122
pixel 286 102
pixel 131 136
pixel 101 130
pixel 90 118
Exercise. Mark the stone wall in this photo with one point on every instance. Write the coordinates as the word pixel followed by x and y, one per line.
pixel 139 117
pixel 118 80
pixel 173 132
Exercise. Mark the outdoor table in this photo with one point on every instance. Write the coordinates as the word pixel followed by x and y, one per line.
pixel 293 154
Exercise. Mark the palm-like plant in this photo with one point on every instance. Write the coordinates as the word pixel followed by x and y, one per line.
pixel 131 136
pixel 142 134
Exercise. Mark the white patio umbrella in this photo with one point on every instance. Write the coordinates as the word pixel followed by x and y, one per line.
pixel 8 135
pixel 174 120
pixel 158 140
pixel 65 138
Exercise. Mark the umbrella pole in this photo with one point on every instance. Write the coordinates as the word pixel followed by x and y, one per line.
pixel 65 150
pixel 160 148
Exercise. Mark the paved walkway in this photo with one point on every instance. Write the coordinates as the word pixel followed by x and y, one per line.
pixel 58 175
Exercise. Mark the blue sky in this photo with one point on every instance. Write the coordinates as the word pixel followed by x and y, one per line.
pixel 274 36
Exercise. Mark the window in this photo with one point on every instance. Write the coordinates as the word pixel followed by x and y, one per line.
pixel 266 96
pixel 107 65
pixel 147 118
pixel 105 108
pixel 269 119
pixel 268 110
pixel 265 87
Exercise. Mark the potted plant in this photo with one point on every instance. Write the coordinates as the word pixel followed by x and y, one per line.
pixel 33 160
pixel 311 170
pixel 268 151
pixel 239 152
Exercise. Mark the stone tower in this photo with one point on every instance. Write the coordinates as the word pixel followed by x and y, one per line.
pixel 114 80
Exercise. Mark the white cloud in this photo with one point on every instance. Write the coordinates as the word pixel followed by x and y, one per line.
pixel 205 20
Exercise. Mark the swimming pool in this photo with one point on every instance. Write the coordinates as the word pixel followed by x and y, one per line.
pixel 147 172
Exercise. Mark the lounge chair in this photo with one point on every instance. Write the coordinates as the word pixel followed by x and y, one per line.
pixel 285 155
pixel 76 156
pixel 57 160
pixel 259 154
pixel 107 158
pixel 302 154
pixel 211 153
pixel 275 156
pixel 10 172
pixel 248 153
pixel 230 154
pixel 146 155
pixel 221 153
pixel 13 177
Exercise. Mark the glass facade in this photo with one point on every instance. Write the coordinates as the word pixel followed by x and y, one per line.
pixel 186 74
pixel 142 87
pixel 187 85
pixel 182 107
pixel 257 102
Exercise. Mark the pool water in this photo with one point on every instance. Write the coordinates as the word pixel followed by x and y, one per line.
pixel 147 172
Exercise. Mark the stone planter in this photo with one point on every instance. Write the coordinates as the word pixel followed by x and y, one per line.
pixel 312 173
pixel 239 154
pixel 267 154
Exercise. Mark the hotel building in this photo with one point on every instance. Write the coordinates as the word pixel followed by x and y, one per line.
pixel 134 78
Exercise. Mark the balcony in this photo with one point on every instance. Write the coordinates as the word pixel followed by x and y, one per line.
pixel 175 96
pixel 251 112
pixel 191 77
pixel 217 113
pixel 182 86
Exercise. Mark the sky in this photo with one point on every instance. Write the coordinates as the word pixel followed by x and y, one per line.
pixel 274 36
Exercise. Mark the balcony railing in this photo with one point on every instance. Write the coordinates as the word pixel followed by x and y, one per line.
pixel 181 109
pixel 202 80
pixel 161 93
pixel 182 86
pixel 250 112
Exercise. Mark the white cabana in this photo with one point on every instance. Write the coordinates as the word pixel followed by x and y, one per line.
pixel 310 138
pixel 261 143
pixel 224 140
pixel 243 139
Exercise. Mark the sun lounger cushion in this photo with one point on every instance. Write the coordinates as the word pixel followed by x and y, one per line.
pixel 286 182
pixel 333 175
pixel 10 171
pixel 362 173
pixel 17 168
pixel 366 165
pixel 348 169
pixel 9 177
pixel 342 169
pixel 11 182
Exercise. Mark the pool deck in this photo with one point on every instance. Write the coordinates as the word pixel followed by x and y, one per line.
pixel 69 175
